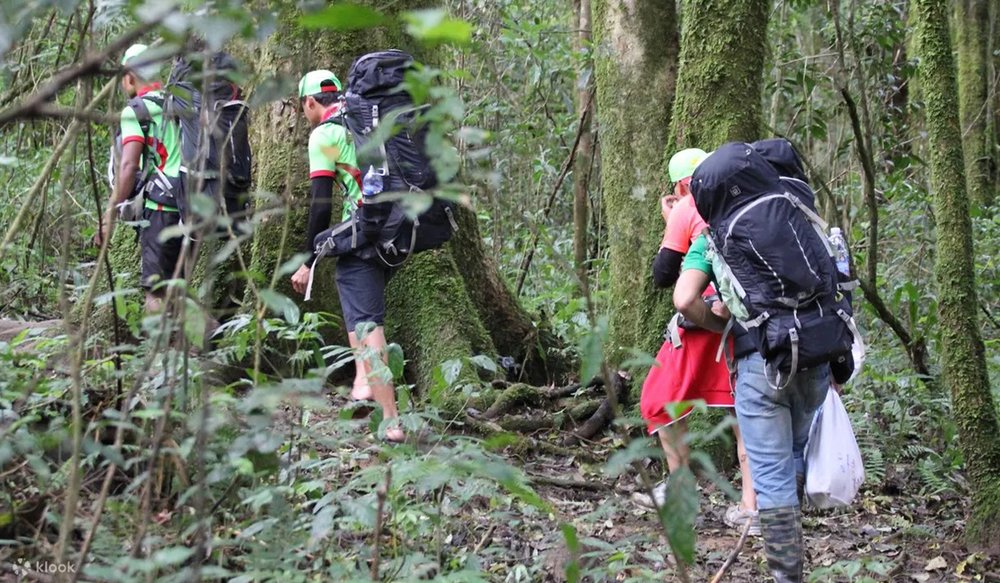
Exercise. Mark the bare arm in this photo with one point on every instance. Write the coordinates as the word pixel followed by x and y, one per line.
pixel 124 184
pixel 687 299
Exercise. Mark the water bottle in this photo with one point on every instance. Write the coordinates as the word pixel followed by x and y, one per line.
pixel 840 249
pixel 371 185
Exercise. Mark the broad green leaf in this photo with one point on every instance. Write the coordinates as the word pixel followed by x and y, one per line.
pixel 638 449
pixel 573 546
pixel 172 555
pixel 679 512
pixel 394 356
pixel 484 362
pixel 281 304
pixel 435 26
pixel 592 350
pixel 343 16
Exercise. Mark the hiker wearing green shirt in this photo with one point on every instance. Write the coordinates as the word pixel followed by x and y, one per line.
pixel 150 163
pixel 334 175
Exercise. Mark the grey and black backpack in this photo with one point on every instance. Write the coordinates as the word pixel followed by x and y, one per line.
pixel 774 262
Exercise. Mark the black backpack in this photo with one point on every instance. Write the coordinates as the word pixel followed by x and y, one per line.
pixel 770 250
pixel 230 157
pixel 374 96
pixel 226 160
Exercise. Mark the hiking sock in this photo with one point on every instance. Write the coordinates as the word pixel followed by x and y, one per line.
pixel 782 530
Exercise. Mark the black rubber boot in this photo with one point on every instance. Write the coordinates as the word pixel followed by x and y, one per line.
pixel 782 529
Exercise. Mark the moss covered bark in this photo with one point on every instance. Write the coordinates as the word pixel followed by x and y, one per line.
pixel 964 362
pixel 429 313
pixel 513 331
pixel 635 60
pixel 721 76
pixel 972 24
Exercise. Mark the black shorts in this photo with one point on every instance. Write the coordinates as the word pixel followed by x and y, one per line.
pixel 159 259
pixel 361 286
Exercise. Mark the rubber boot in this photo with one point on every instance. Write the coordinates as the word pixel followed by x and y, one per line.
pixel 782 529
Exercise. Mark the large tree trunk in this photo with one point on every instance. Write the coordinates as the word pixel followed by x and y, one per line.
pixel 723 45
pixel 429 311
pixel 963 356
pixel 635 58
pixel 513 331
pixel 973 25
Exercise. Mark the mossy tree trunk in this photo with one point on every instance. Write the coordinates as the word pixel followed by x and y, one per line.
pixel 513 331
pixel 635 61
pixel 972 24
pixel 963 355
pixel 429 308
pixel 721 76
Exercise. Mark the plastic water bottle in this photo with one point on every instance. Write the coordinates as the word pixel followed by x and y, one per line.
pixel 840 248
pixel 371 185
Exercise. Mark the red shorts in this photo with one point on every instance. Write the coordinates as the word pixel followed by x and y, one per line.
pixel 687 373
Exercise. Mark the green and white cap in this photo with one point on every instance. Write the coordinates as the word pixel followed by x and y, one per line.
pixel 135 61
pixel 319 81
pixel 683 163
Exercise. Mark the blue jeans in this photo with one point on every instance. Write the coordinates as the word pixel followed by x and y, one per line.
pixel 775 426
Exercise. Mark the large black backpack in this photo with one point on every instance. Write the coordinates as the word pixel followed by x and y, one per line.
pixel 770 250
pixel 214 156
pixel 230 157
pixel 374 95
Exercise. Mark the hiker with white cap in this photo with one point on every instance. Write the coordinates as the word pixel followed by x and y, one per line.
pixel 148 172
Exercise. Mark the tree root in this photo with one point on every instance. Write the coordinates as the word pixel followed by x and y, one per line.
pixel 517 395
pixel 523 445
pixel 600 419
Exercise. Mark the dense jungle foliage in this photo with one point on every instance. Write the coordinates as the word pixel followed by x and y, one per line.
pixel 130 452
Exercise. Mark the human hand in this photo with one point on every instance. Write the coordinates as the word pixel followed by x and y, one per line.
pixel 103 233
pixel 667 203
pixel 837 387
pixel 300 279
pixel 719 309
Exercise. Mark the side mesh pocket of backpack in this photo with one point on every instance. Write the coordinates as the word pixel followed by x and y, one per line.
pixel 233 145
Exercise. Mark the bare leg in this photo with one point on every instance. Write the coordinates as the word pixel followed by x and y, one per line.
pixel 674 446
pixel 382 389
pixel 154 303
pixel 748 499
pixel 361 391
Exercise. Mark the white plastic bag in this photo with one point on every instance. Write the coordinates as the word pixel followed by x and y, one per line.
pixel 834 471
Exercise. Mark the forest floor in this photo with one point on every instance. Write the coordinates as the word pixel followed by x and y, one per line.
pixel 889 534
pixel 892 533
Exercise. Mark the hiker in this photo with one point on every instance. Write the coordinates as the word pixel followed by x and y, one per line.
pixel 151 160
pixel 360 282
pixel 687 365
pixel 766 254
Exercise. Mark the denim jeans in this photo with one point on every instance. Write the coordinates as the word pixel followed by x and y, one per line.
pixel 775 426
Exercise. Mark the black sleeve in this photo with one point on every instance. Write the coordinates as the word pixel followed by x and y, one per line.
pixel 667 267
pixel 320 210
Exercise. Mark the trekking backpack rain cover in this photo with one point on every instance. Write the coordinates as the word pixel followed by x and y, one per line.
pixel 374 95
pixel 229 157
pixel 773 246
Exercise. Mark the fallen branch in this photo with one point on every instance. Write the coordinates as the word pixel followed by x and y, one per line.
pixel 733 554
pixel 568 483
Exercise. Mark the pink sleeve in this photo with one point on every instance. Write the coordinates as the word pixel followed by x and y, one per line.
pixel 698 224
